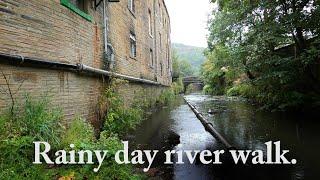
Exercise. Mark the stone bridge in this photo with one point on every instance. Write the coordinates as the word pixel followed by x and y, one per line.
pixel 192 80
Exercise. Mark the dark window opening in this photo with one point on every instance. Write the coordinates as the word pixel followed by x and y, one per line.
pixel 150 22
pixel 80 7
pixel 83 5
pixel 151 58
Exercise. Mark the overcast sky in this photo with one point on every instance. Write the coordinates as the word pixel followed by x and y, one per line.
pixel 189 21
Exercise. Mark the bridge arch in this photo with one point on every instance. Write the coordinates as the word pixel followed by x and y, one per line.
pixel 191 80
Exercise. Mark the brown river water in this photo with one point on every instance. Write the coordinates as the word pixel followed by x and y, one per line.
pixel 244 126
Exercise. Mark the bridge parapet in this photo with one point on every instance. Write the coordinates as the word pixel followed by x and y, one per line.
pixel 191 80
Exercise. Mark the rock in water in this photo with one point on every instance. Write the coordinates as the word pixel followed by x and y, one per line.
pixel 173 138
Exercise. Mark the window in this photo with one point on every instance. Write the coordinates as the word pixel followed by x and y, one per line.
pixel 80 7
pixel 151 58
pixel 160 39
pixel 133 45
pixel 131 5
pixel 150 23
pixel 160 13
pixel 161 69
pixel 168 56
pixel 80 4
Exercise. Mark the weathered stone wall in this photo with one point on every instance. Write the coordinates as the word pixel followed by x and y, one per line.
pixel 47 30
pixel 122 21
pixel 75 95
pixel 139 93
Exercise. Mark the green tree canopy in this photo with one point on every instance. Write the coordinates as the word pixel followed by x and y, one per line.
pixel 181 68
pixel 274 43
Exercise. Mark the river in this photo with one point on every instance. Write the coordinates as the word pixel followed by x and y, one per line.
pixel 244 126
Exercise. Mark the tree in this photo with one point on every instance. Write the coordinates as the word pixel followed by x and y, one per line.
pixel 275 43
pixel 181 68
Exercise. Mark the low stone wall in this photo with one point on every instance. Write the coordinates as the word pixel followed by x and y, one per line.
pixel 139 93
pixel 76 95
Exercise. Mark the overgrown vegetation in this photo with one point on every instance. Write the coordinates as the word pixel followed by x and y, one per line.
pixel 181 67
pixel 120 119
pixel 177 86
pixel 17 133
pixel 190 55
pixel 37 121
pixel 265 50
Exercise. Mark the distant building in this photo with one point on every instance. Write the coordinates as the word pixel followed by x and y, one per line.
pixel 63 48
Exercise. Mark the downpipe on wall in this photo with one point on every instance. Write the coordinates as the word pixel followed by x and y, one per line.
pixel 107 47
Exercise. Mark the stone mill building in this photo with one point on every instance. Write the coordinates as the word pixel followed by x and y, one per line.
pixel 67 49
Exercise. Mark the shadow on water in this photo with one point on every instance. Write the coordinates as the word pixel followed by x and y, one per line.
pixel 245 128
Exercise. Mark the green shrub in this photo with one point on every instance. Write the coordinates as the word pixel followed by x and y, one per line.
pixel 37 122
pixel 243 90
pixel 120 119
pixel 177 86
pixel 207 89
pixel 34 122
pixel 269 100
pixel 166 97
pixel 81 134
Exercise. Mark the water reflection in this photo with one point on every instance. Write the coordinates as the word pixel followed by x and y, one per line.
pixel 245 127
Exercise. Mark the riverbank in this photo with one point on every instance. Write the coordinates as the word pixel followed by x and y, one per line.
pixel 244 126
pixel 37 119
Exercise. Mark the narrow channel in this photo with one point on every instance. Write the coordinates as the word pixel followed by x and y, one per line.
pixel 244 126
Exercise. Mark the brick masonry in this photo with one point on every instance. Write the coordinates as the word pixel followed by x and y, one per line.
pixel 47 30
